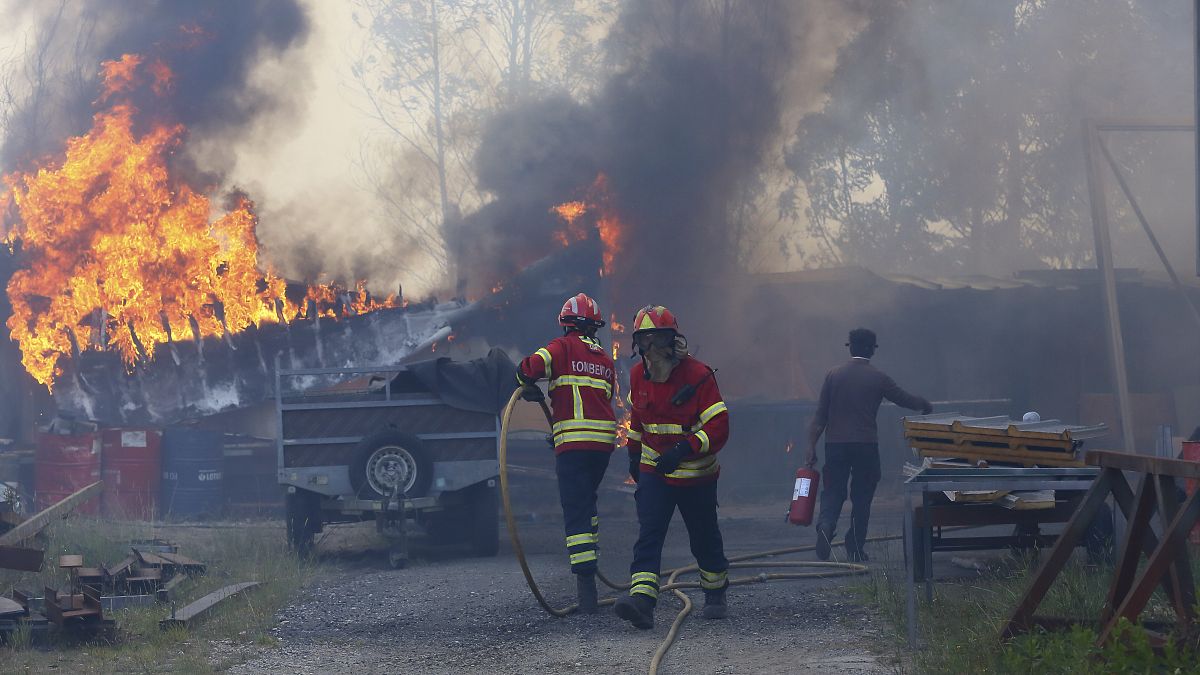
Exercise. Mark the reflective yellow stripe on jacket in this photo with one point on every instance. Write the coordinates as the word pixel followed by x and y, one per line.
pixel 705 466
pixel 581 381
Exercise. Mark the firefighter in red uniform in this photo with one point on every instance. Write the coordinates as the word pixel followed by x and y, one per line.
pixel 584 430
pixel 678 423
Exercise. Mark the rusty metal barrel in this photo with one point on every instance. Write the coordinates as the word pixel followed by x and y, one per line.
pixel 192 473
pixel 64 465
pixel 132 470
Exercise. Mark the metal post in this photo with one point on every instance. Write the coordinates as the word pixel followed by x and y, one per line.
pixel 910 570
pixel 927 544
pixel 1104 262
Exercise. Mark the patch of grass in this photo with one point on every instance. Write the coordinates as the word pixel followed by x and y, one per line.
pixel 232 632
pixel 960 630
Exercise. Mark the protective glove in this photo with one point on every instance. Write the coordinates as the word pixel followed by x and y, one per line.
pixel 669 461
pixel 532 393
pixel 635 468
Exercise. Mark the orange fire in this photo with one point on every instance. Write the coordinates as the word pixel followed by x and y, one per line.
pixel 608 223
pixel 106 236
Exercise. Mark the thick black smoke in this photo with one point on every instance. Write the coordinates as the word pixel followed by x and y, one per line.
pixel 212 48
pixel 678 130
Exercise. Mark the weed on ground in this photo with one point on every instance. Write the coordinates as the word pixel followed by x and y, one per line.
pixel 960 631
pixel 234 632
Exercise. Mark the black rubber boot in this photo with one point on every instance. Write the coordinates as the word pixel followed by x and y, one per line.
pixel 585 586
pixel 824 539
pixel 636 609
pixel 714 603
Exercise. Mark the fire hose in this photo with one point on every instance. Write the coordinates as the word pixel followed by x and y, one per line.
pixel 829 569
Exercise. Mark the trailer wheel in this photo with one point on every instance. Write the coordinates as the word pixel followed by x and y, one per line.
pixel 389 459
pixel 483 522
pixel 303 520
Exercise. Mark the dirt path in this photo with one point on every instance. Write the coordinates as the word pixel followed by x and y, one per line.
pixel 450 614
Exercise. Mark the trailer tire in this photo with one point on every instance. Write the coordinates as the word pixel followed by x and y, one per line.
pixel 483 523
pixel 303 520
pixel 388 456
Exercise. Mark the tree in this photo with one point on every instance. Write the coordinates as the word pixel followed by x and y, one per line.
pixel 430 70
pixel 950 141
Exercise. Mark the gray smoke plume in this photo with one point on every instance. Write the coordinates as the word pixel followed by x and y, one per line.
pixel 212 48
pixel 677 130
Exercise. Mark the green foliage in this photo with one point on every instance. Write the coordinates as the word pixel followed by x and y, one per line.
pixel 960 630
pixel 951 138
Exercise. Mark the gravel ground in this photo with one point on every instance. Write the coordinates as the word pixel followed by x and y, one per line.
pixel 447 613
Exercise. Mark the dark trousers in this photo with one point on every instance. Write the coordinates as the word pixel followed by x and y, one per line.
pixel 579 475
pixel 857 463
pixel 656 503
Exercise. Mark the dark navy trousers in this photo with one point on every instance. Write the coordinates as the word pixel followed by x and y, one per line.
pixel 858 465
pixel 579 475
pixel 656 504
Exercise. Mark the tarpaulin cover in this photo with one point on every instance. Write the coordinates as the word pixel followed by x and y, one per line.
pixel 481 385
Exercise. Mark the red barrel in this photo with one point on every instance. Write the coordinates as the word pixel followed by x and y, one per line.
pixel 64 465
pixel 132 472
pixel 1191 452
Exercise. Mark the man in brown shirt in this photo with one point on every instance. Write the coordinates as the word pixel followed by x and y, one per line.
pixel 849 404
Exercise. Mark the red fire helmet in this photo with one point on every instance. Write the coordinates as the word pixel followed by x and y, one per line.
pixel 654 317
pixel 580 308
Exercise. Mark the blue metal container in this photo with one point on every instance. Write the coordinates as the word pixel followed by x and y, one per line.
pixel 192 473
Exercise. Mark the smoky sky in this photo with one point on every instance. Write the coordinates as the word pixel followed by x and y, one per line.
pixel 677 129
pixel 212 48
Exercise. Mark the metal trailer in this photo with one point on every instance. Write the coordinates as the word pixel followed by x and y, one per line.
pixel 373 443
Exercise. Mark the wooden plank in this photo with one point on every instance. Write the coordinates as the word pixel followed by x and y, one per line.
pixel 1019 620
pixel 951 440
pixel 974 496
pixel 1179 468
pixel 183 562
pixel 1181 588
pixel 1000 456
pixel 39 521
pixel 1029 501
pixel 21 559
pixel 10 608
pixel 1131 547
pixel 1155 570
pixel 151 559
pixel 1124 497
pixel 197 609
pixel 121 567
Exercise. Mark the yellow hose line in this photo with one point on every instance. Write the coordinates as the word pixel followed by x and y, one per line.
pixel 831 569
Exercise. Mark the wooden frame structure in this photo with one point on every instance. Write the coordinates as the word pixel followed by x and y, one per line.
pixel 1168 565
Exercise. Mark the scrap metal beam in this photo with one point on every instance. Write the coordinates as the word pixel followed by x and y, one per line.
pixel 194 611
pixel 38 522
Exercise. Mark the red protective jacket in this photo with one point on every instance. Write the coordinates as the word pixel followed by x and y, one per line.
pixel 581 390
pixel 656 424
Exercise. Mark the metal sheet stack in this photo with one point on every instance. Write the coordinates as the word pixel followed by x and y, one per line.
pixel 949 440
pixel 977 440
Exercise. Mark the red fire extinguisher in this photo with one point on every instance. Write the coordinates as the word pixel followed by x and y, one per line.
pixel 804 497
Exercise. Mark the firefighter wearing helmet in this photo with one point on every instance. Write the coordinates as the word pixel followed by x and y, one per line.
pixel 580 372
pixel 678 424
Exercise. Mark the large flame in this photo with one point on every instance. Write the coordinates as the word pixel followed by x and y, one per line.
pixel 608 224
pixel 115 252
